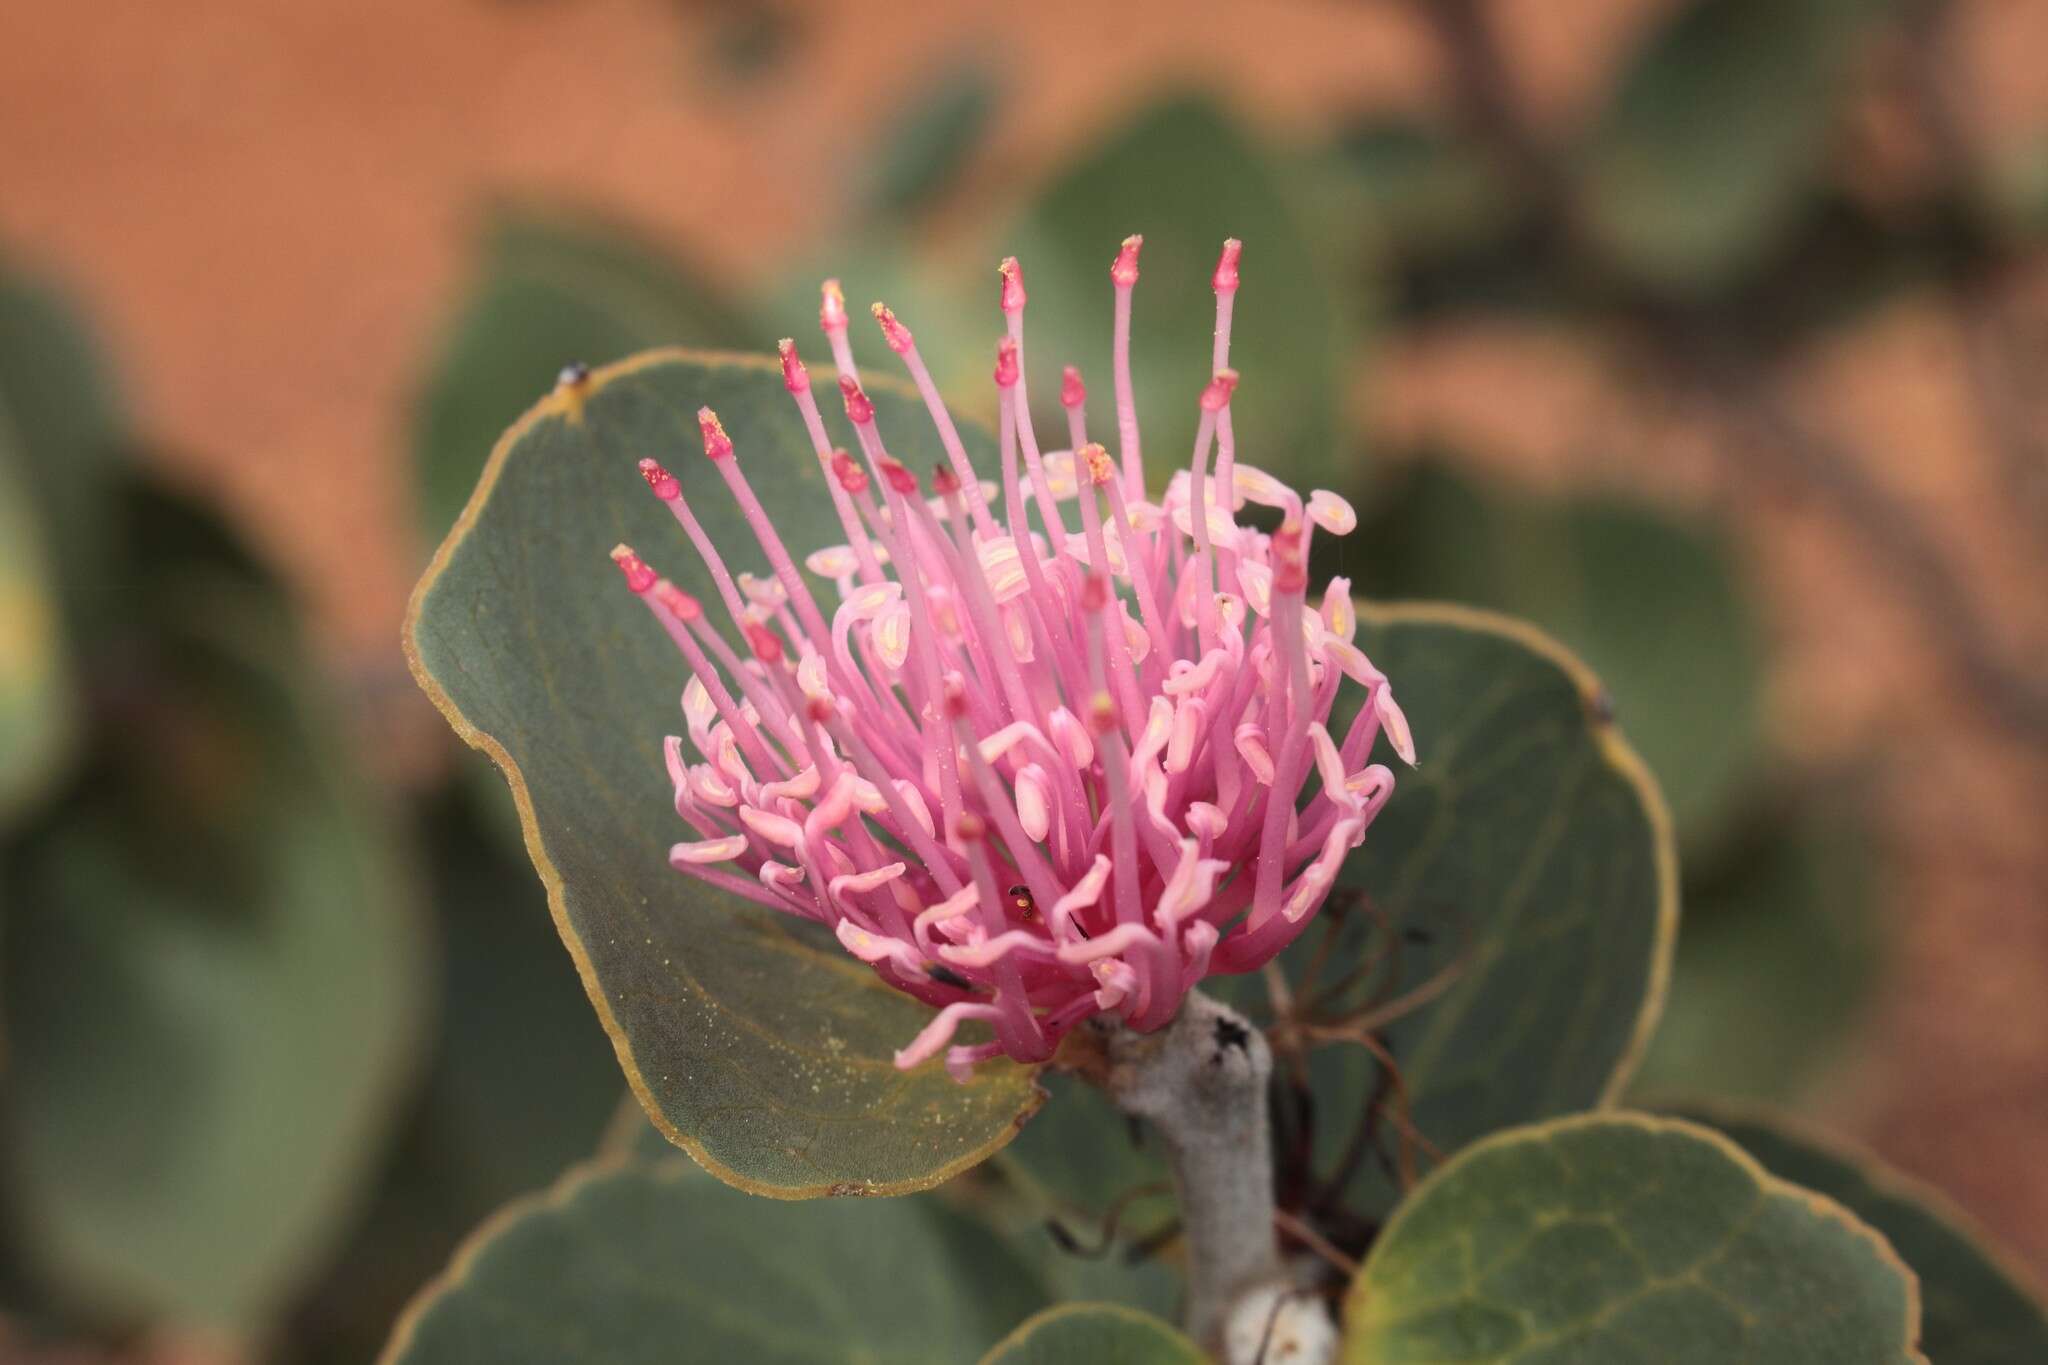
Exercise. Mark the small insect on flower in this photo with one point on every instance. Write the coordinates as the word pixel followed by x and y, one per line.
pixel 1028 770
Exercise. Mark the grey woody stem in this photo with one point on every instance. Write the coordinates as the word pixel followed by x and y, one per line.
pixel 1201 1084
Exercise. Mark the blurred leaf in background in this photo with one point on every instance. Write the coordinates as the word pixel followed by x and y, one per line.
pixel 213 976
pixel 60 413
pixel 38 704
pixel 1652 600
pixel 928 142
pixel 1782 948
pixel 552 288
pixel 1717 134
pixel 1185 176
pixel 520 1083
pixel 59 434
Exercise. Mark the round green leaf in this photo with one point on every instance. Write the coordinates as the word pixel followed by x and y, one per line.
pixel 1718 132
pixel 1185 177
pixel 552 290
pixel 213 980
pixel 1980 1309
pixel 1527 866
pixel 757 1045
pixel 651 1263
pixel 1094 1334
pixel 1622 1238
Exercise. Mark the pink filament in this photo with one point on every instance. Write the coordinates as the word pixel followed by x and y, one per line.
pixel 1012 795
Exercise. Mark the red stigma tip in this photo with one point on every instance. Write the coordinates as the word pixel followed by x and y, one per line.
pixel 795 377
pixel 1006 364
pixel 1101 713
pixel 1013 285
pixel 765 643
pixel 1225 278
pixel 944 479
pixel 900 478
pixel 717 445
pixel 956 700
pixel 660 480
pixel 1124 270
pixel 638 576
pixel 685 607
pixel 968 825
pixel 831 307
pixel 851 476
pixel 1216 396
pixel 1094 592
pixel 1093 459
pixel 819 710
pixel 893 332
pixel 1073 393
pixel 859 410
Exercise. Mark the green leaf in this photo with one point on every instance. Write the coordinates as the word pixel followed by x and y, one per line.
pixel 552 290
pixel 212 976
pixel 1419 186
pixel 1652 601
pixel 1718 133
pixel 924 147
pixel 1624 1238
pixel 649 1263
pixel 59 412
pixel 1094 1334
pixel 1780 952
pixel 524 1081
pixel 1185 177
pixel 1979 1309
pixel 762 1047
pixel 1525 868
pixel 38 704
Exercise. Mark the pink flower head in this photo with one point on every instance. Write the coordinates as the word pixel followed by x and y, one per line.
pixel 1028 774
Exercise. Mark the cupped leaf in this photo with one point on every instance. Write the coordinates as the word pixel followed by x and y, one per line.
pixel 1717 132
pixel 649 1262
pixel 1978 1308
pixel 1186 177
pixel 1652 601
pixel 756 1044
pixel 1626 1238
pixel 1095 1333
pixel 1782 948
pixel 212 977
pixel 1519 893
pixel 553 289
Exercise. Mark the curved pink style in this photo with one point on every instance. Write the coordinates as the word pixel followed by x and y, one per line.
pixel 1028 770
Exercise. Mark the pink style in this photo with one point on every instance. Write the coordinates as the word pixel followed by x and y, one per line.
pixel 1028 775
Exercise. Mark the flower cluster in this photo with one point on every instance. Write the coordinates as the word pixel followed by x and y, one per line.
pixel 1027 773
